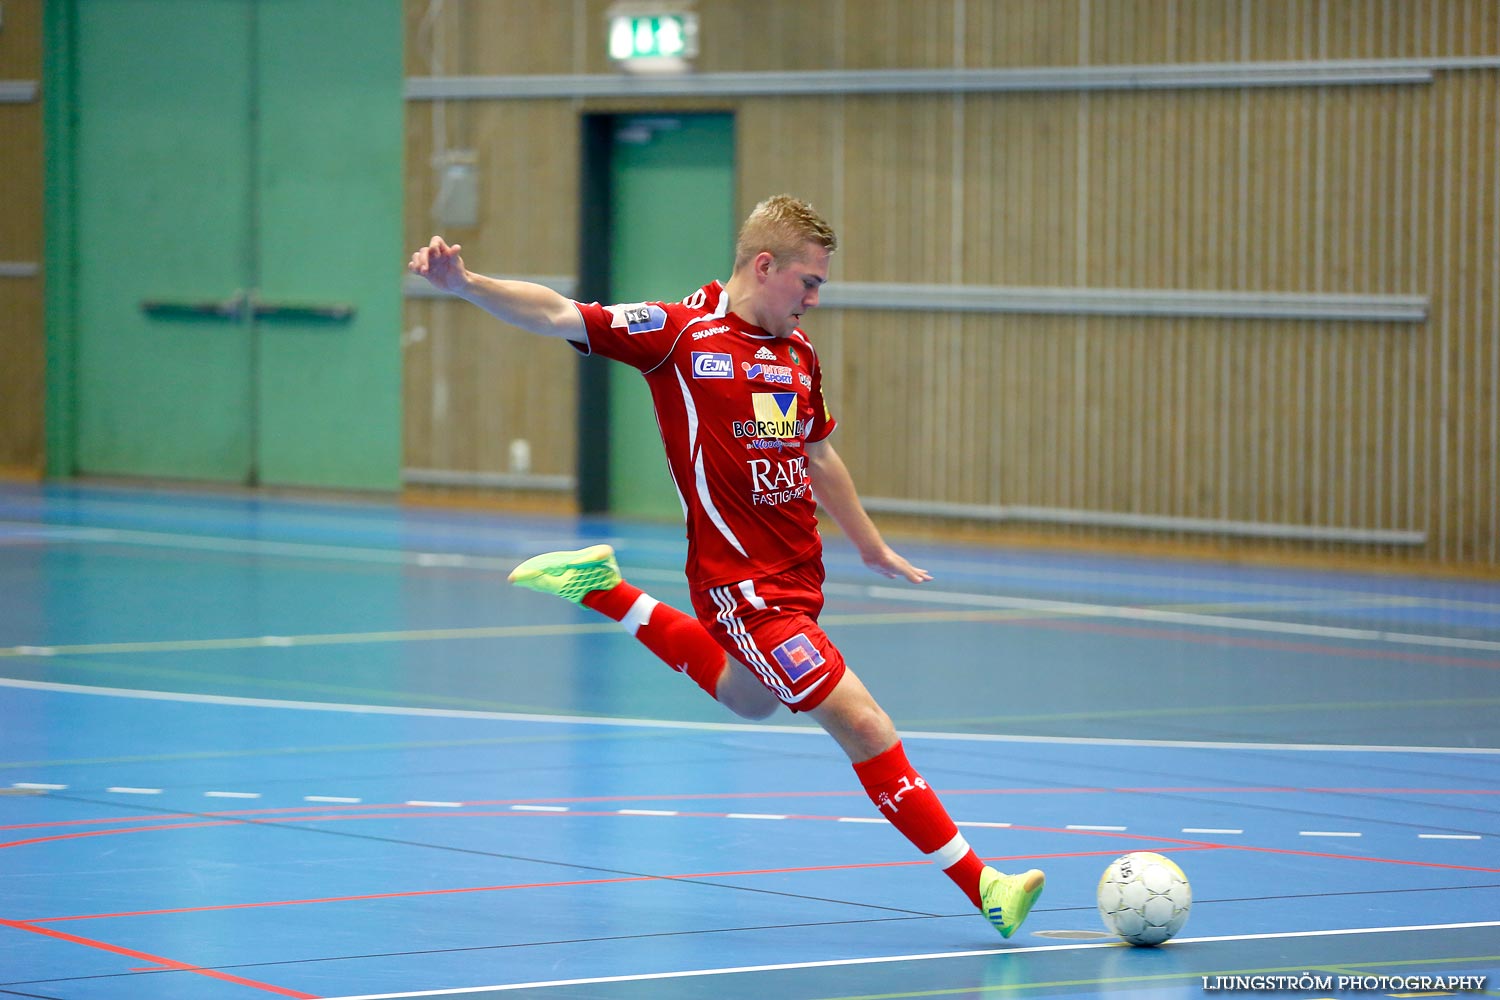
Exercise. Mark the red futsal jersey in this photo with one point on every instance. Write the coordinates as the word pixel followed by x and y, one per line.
pixel 736 407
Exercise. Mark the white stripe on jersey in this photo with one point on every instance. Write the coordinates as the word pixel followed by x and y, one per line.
pixel 671 473
pixel 724 598
pixel 747 587
pixel 700 477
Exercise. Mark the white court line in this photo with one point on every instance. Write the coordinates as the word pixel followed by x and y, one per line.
pixel 1077 609
pixel 704 727
pixel 1028 572
pixel 231 795
pixel 341 799
pixel 886 959
pixel 1208 829
pixel 1328 833
pixel 1095 829
pixel 1449 836
pixel 125 790
pixel 309 550
pixel 489 563
pixel 540 809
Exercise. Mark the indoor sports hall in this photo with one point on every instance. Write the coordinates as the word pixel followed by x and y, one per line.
pixel 1164 334
pixel 324 750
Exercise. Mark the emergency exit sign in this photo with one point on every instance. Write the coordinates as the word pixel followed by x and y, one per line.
pixel 653 40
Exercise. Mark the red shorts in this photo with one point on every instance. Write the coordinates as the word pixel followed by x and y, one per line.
pixel 770 625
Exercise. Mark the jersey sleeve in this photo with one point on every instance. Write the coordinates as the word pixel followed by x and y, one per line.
pixel 640 334
pixel 823 420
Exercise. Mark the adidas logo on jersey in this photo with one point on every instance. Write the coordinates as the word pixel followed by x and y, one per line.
pixel 765 354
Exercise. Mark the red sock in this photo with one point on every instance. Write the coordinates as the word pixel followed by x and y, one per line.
pixel 677 639
pixel 911 806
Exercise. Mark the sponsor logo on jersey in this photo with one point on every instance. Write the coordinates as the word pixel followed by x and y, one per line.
pixel 765 354
pixel 797 656
pixel 775 374
pixel 700 334
pixel 805 379
pixel 775 481
pixel 638 317
pixel 775 417
pixel 707 364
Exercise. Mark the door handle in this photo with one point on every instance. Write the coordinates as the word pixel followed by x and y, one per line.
pixel 317 312
pixel 242 304
pixel 232 308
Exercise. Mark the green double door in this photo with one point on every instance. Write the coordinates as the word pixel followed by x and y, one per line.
pixel 235 177
pixel 672 231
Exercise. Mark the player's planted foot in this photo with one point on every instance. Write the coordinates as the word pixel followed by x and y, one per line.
pixel 569 575
pixel 1007 899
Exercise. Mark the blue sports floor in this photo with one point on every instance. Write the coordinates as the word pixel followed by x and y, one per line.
pixel 260 747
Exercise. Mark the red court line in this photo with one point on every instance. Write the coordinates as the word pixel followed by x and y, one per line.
pixel 107 833
pixel 161 817
pixel 368 897
pixel 276 811
pixel 1356 857
pixel 296 812
pixel 1262 850
pixel 156 959
pixel 1408 791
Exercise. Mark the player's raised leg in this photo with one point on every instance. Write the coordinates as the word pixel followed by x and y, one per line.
pixel 591 577
pixel 861 727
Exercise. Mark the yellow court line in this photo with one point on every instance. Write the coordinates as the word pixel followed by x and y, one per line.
pixel 1345 967
pixel 280 684
pixel 479 632
pixel 1201 710
pixel 323 639
pixel 530 631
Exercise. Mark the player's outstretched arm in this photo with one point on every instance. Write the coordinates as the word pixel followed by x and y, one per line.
pixel 525 304
pixel 836 494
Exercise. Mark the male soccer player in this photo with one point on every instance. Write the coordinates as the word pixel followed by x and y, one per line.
pixel 739 399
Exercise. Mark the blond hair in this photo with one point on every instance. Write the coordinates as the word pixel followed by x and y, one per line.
pixel 782 226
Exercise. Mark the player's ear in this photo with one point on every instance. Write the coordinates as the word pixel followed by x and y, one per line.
pixel 763 263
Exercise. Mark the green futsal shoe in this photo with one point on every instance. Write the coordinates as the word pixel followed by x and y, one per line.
pixel 569 575
pixel 1007 899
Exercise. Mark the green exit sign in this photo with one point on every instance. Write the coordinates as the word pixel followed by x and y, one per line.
pixel 664 39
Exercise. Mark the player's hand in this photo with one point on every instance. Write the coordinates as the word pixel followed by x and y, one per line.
pixel 891 565
pixel 440 264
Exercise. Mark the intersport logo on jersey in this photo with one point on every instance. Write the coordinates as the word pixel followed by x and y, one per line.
pixel 775 374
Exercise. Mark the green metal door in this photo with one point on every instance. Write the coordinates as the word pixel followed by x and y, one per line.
pixel 237 175
pixel 672 230
pixel 163 189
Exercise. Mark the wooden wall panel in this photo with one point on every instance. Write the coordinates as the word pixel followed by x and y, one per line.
pixel 22 358
pixel 21 41
pixel 23 365
pixel 1375 190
